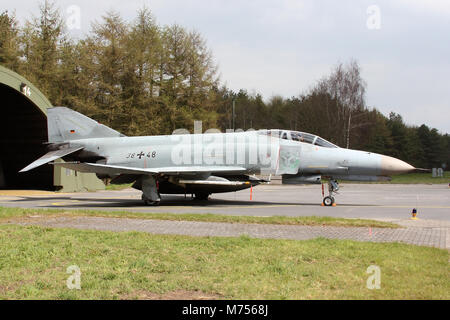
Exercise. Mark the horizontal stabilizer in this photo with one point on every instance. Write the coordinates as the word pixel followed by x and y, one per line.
pixel 51 156
pixel 114 170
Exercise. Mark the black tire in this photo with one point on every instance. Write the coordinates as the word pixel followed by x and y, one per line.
pixel 202 196
pixel 328 201
pixel 151 203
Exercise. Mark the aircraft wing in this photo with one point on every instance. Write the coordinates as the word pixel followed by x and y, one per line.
pixel 114 170
pixel 50 156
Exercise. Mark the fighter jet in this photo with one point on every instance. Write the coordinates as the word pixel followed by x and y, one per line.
pixel 205 163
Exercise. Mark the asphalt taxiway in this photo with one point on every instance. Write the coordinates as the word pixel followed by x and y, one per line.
pixel 388 202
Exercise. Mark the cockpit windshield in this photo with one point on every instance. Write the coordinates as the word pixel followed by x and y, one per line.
pixel 298 136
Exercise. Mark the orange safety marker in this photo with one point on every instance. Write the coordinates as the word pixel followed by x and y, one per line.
pixel 251 192
pixel 414 214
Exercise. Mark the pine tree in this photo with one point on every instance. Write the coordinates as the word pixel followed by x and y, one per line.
pixel 143 49
pixel 41 41
pixel 9 44
pixel 107 46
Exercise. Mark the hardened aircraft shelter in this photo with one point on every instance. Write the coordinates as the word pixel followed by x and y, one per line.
pixel 23 134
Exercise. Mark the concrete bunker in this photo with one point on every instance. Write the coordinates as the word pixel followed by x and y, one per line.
pixel 23 134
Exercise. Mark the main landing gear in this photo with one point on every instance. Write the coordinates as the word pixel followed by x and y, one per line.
pixel 203 196
pixel 150 192
pixel 333 187
pixel 149 202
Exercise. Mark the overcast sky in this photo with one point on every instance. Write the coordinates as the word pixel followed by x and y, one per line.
pixel 282 47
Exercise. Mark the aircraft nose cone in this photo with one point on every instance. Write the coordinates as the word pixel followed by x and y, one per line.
pixel 390 165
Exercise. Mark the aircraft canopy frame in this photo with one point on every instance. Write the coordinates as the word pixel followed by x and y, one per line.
pixel 298 136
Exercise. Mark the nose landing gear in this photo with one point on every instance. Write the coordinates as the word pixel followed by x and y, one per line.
pixel 333 187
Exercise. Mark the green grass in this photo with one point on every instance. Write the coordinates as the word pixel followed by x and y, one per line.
pixel 411 178
pixel 116 265
pixel 420 178
pixel 9 213
pixel 117 187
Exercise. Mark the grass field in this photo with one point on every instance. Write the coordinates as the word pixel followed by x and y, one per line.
pixel 9 213
pixel 410 178
pixel 132 265
pixel 118 187
pixel 420 178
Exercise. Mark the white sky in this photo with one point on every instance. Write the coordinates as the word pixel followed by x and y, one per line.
pixel 282 47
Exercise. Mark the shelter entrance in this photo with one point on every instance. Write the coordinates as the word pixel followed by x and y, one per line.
pixel 23 132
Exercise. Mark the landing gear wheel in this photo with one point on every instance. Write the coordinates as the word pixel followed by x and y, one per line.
pixel 149 202
pixel 202 196
pixel 333 187
pixel 328 201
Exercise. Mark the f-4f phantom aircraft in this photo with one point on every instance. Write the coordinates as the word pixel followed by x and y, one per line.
pixel 202 164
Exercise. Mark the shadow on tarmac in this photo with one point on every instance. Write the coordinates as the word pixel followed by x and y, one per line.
pixel 166 201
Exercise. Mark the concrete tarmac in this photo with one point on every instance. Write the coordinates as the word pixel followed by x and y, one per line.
pixel 389 202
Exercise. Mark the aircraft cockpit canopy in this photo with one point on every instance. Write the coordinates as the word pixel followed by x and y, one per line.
pixel 299 136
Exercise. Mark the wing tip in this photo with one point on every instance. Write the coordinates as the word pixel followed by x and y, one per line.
pixel 29 167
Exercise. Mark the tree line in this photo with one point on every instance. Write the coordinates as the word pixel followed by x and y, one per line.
pixel 142 78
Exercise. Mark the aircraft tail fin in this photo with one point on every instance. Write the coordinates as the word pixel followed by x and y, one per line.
pixel 65 124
